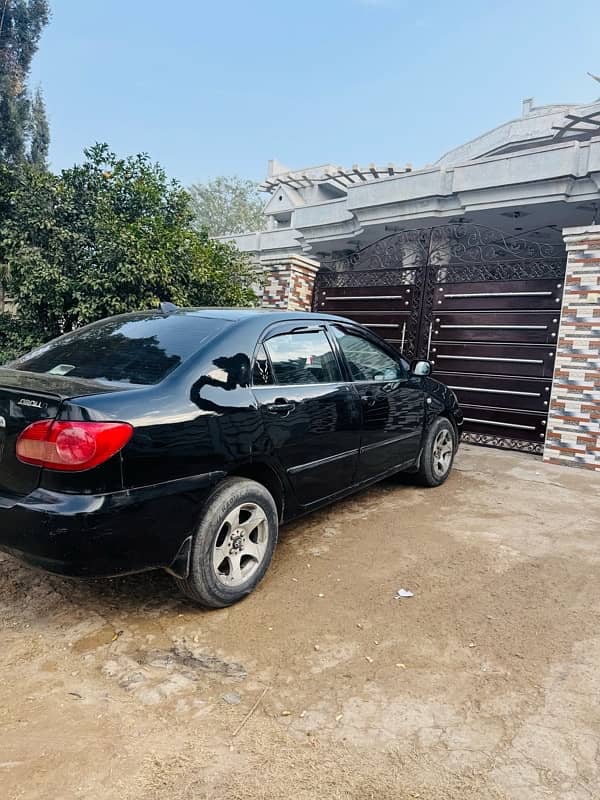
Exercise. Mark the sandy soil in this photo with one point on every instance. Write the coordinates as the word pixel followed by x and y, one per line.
pixel 485 684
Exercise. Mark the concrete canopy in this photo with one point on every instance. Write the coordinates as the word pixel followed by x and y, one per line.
pixel 533 175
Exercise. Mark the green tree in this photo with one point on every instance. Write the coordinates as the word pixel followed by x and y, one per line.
pixel 108 236
pixel 40 132
pixel 228 205
pixel 21 25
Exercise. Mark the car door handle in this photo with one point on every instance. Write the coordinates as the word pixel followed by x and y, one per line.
pixel 281 406
pixel 368 399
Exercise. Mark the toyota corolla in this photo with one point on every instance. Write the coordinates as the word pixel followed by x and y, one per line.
pixel 182 438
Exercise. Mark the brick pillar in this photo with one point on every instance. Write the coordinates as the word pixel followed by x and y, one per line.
pixel 573 433
pixel 288 281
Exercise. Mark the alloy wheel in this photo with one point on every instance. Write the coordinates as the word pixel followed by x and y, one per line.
pixel 240 545
pixel 443 448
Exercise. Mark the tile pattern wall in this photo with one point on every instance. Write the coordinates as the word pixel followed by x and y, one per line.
pixel 288 282
pixel 573 431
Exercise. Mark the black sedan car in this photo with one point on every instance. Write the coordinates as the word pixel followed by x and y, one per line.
pixel 181 438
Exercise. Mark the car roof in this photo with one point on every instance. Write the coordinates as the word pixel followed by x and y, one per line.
pixel 236 314
pixel 268 314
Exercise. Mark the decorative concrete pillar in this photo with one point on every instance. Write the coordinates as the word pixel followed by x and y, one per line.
pixel 288 281
pixel 573 433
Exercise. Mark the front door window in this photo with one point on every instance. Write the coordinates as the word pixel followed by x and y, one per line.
pixel 366 360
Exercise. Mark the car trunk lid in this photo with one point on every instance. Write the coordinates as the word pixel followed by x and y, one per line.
pixel 25 398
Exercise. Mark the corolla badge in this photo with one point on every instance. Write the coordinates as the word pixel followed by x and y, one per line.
pixel 25 401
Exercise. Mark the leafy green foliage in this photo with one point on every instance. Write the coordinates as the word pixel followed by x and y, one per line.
pixel 108 236
pixel 23 125
pixel 15 338
pixel 227 205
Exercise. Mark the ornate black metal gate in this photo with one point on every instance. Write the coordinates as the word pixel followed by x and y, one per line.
pixel 483 306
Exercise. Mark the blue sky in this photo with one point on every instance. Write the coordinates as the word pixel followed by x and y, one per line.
pixel 210 88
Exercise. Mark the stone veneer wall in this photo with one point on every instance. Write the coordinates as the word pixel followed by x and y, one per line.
pixel 573 431
pixel 288 282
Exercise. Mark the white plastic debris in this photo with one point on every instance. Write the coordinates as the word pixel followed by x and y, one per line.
pixel 403 593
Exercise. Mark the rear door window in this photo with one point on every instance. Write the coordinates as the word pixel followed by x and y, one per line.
pixel 302 358
pixel 138 349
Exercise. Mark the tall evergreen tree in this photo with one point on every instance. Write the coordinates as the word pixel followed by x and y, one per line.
pixel 21 25
pixel 40 132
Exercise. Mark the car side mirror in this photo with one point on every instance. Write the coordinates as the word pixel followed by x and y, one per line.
pixel 422 368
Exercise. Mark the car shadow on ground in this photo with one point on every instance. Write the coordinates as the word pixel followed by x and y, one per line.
pixel 155 590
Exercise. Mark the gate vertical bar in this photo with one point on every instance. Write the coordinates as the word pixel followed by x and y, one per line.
pixel 427 280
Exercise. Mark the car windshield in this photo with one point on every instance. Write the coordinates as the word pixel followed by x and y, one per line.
pixel 140 349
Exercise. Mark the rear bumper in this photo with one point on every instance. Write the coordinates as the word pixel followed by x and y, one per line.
pixel 103 535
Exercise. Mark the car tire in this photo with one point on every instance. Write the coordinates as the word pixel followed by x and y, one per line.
pixel 233 544
pixel 438 453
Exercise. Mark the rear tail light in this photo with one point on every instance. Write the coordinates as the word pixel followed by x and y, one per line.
pixel 71 446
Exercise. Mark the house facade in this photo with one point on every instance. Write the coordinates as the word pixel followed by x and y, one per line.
pixel 486 262
pixel 536 174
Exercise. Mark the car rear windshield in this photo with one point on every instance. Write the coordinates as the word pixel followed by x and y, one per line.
pixel 141 349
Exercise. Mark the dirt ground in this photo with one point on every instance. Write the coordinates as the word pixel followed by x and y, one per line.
pixel 485 684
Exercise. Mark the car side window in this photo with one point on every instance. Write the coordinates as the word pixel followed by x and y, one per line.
pixel 366 360
pixel 298 358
